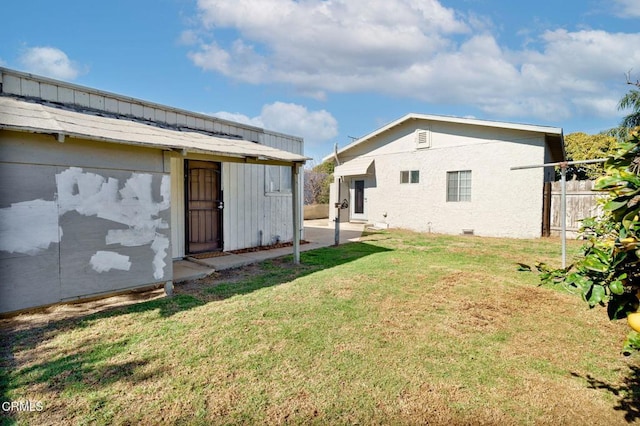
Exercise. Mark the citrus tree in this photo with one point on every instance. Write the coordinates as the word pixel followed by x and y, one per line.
pixel 608 273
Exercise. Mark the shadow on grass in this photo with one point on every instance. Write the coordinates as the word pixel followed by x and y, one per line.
pixel 627 393
pixel 85 370
pixel 89 367
pixel 278 271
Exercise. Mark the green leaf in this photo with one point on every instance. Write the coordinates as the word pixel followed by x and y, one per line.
pixel 593 263
pixel 616 287
pixel 628 220
pixel 632 343
pixel 601 255
pixel 630 177
pixel 606 182
pixel 596 296
pixel 615 204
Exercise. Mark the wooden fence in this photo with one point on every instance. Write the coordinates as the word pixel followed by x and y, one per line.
pixel 581 203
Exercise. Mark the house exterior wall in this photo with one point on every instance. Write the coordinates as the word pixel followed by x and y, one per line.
pixel 79 219
pixel 504 203
pixel 252 215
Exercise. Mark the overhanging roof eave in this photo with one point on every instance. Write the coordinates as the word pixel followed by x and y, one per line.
pixel 30 117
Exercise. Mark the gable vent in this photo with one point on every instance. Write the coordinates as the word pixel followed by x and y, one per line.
pixel 423 138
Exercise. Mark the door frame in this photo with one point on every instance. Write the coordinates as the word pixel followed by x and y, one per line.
pixel 220 236
pixel 352 196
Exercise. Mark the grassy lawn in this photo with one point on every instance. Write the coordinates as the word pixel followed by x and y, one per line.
pixel 401 328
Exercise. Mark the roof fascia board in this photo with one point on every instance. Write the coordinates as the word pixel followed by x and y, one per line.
pixel 193 153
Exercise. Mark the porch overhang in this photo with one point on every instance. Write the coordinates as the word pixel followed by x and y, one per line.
pixel 356 167
pixel 25 116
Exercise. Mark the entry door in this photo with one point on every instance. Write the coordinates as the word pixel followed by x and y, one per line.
pixel 204 206
pixel 359 201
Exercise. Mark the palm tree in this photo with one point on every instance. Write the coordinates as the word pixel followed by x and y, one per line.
pixel 630 101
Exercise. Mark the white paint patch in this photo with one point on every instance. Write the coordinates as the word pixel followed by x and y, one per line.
pixel 104 261
pixel 159 246
pixel 131 237
pixel 29 227
pixel 90 194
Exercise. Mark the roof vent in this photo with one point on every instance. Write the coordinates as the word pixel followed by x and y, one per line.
pixel 423 138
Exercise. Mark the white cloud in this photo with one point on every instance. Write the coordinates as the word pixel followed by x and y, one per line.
pixel 188 38
pixel 316 127
pixel 49 61
pixel 627 8
pixel 240 118
pixel 416 49
pixel 312 43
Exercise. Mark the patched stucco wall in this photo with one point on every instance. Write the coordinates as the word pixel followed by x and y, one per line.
pixel 504 203
pixel 79 219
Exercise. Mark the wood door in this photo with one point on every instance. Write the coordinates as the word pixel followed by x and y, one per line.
pixel 204 206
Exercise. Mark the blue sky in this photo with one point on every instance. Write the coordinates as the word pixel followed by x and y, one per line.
pixel 331 70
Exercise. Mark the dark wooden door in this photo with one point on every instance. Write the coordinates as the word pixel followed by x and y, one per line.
pixel 204 206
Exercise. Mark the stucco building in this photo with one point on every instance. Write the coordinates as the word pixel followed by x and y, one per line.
pixel 448 175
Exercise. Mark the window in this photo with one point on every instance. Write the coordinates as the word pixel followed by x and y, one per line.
pixel 277 180
pixel 410 176
pixel 459 186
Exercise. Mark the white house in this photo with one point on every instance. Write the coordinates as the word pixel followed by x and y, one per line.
pixel 448 175
pixel 99 192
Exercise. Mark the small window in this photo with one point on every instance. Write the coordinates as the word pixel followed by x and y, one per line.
pixel 423 138
pixel 277 180
pixel 410 176
pixel 459 186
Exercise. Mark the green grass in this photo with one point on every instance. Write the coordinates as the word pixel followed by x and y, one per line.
pixel 401 328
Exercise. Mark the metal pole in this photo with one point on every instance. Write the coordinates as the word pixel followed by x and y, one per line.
pixel 567 163
pixel 563 184
pixel 295 201
pixel 336 219
pixel 563 202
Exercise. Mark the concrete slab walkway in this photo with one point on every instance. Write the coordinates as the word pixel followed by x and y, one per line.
pixel 318 232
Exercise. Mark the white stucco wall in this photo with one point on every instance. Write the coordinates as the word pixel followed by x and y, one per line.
pixel 504 203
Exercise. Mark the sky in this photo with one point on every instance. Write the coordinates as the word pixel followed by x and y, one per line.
pixel 334 70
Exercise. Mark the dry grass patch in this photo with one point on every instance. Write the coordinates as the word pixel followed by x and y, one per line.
pixel 402 328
